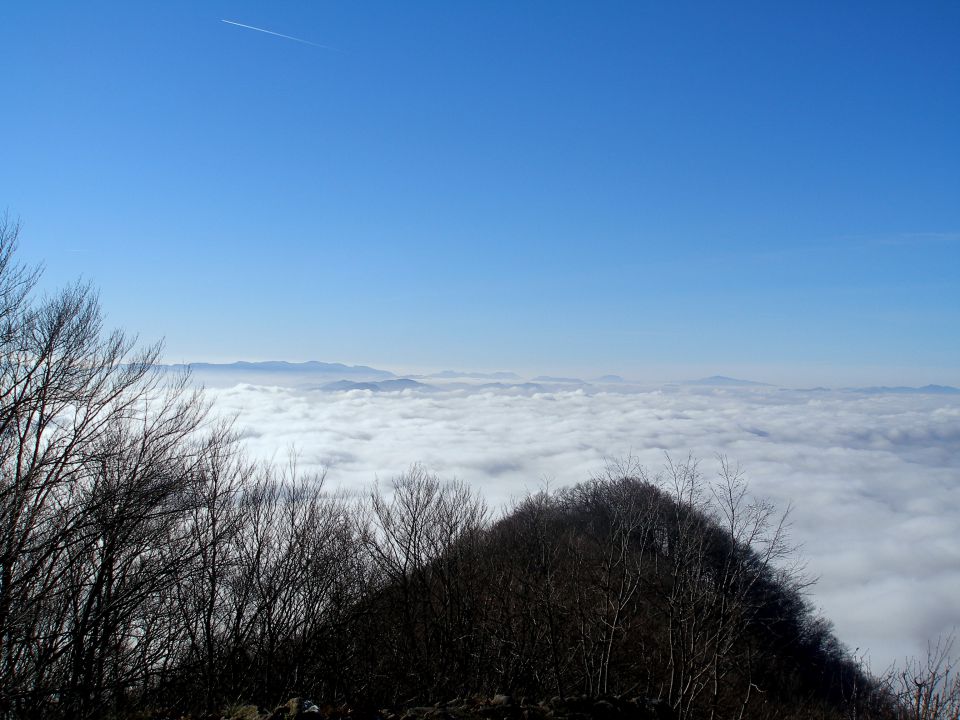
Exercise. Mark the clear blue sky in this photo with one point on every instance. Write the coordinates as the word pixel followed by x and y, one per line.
pixel 645 188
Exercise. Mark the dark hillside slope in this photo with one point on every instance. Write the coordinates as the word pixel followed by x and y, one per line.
pixel 669 588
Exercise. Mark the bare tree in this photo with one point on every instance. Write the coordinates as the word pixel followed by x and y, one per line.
pixel 64 386
pixel 100 456
pixel 610 555
pixel 422 540
pixel 725 564
pixel 928 688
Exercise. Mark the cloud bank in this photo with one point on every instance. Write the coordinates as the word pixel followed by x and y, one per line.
pixel 874 480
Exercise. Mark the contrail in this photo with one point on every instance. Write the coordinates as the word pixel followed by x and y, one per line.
pixel 271 32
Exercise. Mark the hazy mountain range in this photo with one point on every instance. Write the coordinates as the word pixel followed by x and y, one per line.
pixel 456 374
pixel 723 380
pixel 339 377
pixel 312 367
pixel 394 385
pixel 900 390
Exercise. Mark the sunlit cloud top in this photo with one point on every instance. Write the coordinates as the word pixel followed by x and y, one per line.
pixel 874 479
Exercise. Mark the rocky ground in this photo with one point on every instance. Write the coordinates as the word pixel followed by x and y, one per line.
pixel 500 707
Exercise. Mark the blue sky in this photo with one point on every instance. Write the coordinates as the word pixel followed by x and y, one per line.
pixel 653 189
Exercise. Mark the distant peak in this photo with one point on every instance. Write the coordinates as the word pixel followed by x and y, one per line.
pixel 610 379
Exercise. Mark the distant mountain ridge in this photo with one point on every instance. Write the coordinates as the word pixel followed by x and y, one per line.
pixel 885 390
pixel 395 385
pixel 718 380
pixel 610 379
pixel 903 390
pixel 337 376
pixel 456 374
pixel 282 366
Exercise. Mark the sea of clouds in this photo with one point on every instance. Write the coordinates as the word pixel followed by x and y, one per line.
pixel 873 479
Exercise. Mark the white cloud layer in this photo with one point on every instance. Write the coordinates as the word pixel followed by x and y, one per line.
pixel 874 479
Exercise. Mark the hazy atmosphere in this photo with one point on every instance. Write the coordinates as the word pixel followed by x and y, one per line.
pixel 756 190
pixel 505 243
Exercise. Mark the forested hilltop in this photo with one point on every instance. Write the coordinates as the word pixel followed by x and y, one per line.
pixel 147 569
